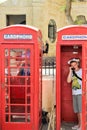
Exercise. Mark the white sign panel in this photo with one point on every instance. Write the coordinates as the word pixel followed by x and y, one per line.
pixel 74 37
pixel 18 36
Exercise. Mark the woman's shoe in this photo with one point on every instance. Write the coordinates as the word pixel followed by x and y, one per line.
pixel 75 127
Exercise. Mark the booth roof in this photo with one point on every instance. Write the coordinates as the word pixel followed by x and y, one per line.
pixel 70 26
pixel 20 25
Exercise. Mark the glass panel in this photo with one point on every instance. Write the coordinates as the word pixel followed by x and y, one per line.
pixel 6 71
pixel 6 94
pixel 6 52
pixel 24 71
pixel 28 109
pixel 20 54
pixel 18 118
pixel 19 81
pixel 28 90
pixel 28 81
pixel 6 62
pixel 17 85
pixel 17 95
pixel 28 118
pixel 7 118
pixel 6 108
pixel 16 57
pixel 13 71
pixel 17 109
pixel 6 80
pixel 13 63
pixel 28 100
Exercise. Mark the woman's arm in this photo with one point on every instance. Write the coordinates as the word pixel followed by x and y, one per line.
pixel 69 77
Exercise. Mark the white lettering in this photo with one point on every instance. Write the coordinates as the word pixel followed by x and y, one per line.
pixel 74 37
pixel 18 36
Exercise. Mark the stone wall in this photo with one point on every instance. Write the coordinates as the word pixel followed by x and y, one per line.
pixel 39 12
pixel 48 93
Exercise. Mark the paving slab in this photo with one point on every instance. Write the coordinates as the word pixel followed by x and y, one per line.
pixel 64 126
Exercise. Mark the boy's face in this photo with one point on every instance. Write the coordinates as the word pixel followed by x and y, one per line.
pixel 74 65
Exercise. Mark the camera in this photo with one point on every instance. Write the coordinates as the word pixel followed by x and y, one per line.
pixel 73 69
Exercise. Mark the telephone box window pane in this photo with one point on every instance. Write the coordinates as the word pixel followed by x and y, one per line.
pixel 28 100
pixel 28 118
pixel 6 108
pixel 17 118
pixel 7 118
pixel 6 62
pixel 28 53
pixel 13 72
pixel 17 95
pixel 6 52
pixel 17 85
pixel 28 109
pixel 24 71
pixel 28 90
pixel 6 95
pixel 17 109
pixel 20 57
pixel 28 80
pixel 6 80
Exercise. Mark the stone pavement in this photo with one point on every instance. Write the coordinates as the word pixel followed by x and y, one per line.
pixel 44 127
pixel 65 126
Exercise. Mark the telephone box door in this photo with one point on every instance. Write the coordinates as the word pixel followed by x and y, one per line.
pixel 84 95
pixel 17 87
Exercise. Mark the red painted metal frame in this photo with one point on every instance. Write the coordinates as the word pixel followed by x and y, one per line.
pixel 84 95
pixel 10 125
pixel 0 89
pixel 71 30
pixel 36 44
pixel 58 89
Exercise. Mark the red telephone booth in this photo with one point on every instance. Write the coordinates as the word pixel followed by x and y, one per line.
pixel 20 78
pixel 71 43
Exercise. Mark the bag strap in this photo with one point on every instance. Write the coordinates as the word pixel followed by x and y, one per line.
pixel 76 75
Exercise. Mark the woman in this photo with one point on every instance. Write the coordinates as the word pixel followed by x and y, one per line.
pixel 75 76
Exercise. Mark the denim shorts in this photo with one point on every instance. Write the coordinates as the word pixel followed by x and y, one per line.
pixel 77 103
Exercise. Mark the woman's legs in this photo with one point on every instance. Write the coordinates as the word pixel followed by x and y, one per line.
pixel 79 119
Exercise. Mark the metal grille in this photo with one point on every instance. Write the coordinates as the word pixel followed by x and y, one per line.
pixel 49 66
